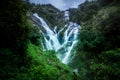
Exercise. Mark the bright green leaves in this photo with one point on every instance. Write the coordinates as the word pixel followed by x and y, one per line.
pixel 45 65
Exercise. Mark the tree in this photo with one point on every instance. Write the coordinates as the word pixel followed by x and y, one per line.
pixel 13 28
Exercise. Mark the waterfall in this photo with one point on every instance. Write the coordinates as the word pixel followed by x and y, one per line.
pixel 52 41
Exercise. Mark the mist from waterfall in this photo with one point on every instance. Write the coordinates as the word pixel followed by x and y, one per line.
pixel 52 40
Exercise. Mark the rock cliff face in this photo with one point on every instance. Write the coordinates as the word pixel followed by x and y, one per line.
pixel 51 15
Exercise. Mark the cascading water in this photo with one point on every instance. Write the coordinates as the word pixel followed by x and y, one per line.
pixel 52 40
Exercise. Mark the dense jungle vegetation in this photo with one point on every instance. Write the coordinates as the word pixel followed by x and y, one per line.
pixel 98 49
pixel 97 54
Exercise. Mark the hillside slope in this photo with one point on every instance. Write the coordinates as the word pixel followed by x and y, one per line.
pixel 98 51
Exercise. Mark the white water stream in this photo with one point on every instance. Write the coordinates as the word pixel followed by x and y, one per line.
pixel 52 40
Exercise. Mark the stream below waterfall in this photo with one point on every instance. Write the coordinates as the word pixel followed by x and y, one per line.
pixel 52 40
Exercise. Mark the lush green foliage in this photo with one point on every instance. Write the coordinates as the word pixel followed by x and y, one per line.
pixel 98 48
pixel 45 65
pixel 14 30
pixel 107 66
